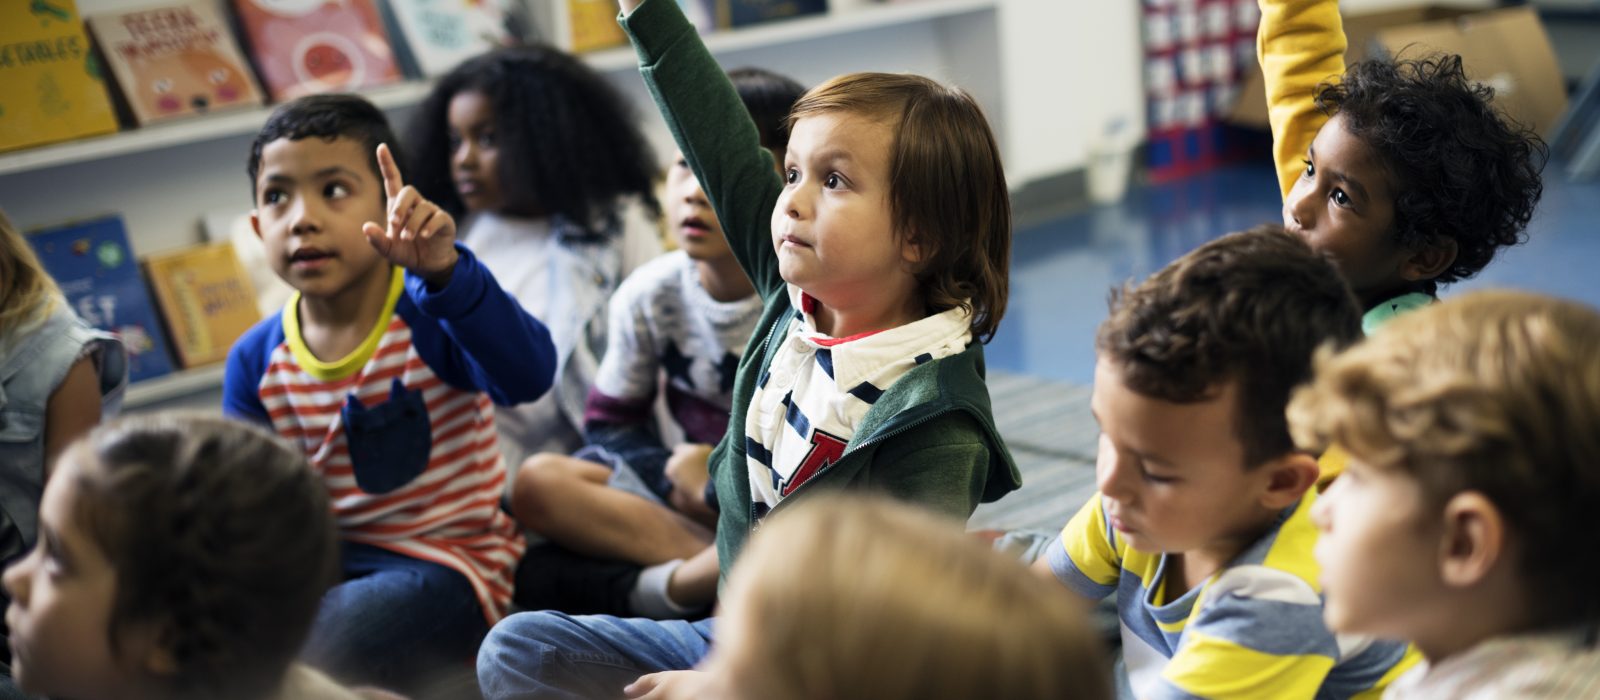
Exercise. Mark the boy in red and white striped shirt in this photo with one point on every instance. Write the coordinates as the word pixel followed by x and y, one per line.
pixel 382 368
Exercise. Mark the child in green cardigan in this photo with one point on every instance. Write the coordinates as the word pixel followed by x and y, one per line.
pixel 881 256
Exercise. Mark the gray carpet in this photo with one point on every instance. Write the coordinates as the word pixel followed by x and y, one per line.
pixel 1052 436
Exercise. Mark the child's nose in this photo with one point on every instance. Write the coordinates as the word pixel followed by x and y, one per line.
pixel 1109 471
pixel 305 217
pixel 1299 209
pixel 16 577
pixel 1321 510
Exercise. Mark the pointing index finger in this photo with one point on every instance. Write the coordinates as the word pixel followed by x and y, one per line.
pixel 392 183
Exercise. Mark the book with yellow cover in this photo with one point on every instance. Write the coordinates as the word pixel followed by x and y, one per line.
pixel 51 86
pixel 206 298
pixel 174 60
pixel 579 25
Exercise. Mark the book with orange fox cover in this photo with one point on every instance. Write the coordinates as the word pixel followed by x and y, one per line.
pixel 174 60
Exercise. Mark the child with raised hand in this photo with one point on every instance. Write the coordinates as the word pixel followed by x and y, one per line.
pixel 179 557
pixel 1462 521
pixel 545 164
pixel 627 500
pixel 383 369
pixel 880 254
pixel 818 608
pixel 1201 524
pixel 1403 171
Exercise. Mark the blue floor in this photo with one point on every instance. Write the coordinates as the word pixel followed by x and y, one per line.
pixel 1062 269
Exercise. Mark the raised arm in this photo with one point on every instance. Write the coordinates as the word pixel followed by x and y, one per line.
pixel 712 128
pixel 1301 44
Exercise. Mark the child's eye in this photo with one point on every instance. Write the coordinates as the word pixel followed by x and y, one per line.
pixel 272 196
pixel 791 176
pixel 486 139
pixel 833 181
pixel 1340 198
pixel 682 164
pixel 454 140
pixel 1311 170
pixel 335 190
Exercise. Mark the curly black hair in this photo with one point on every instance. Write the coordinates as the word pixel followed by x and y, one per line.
pixel 327 117
pixel 570 143
pixel 1465 171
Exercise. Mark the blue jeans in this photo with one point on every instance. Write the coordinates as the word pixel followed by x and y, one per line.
pixel 395 622
pixel 555 655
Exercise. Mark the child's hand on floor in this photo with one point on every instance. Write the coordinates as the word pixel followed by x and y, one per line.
pixel 419 235
pixel 668 685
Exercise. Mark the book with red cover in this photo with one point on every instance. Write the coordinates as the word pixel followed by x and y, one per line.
pixel 302 47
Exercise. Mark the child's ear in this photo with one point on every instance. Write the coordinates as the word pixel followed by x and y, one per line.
pixel 1430 260
pixel 255 222
pixel 912 251
pixel 1473 541
pixel 1287 479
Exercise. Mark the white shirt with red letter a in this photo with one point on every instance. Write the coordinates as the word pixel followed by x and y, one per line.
pixel 818 388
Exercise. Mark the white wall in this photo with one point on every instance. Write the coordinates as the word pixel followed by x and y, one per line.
pixel 1069 67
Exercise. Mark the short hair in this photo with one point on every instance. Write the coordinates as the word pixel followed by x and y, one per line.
pixel 768 97
pixel 328 117
pixel 1462 170
pixel 218 533
pixel 947 186
pixel 570 143
pixel 860 597
pixel 1496 392
pixel 1250 308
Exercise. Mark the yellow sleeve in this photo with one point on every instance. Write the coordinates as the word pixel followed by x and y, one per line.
pixel 1088 560
pixel 1301 44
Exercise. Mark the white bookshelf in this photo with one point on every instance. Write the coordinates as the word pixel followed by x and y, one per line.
pixel 237 123
pixel 176 385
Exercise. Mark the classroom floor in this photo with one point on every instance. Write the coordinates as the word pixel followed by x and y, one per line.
pixel 1063 268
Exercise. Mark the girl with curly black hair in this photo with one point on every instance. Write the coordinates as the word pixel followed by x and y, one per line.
pixel 1404 171
pixel 545 162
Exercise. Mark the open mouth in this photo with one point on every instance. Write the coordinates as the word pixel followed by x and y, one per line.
pixel 694 227
pixel 468 188
pixel 309 257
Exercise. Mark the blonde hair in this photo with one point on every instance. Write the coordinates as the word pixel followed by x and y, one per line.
pixel 851 597
pixel 947 186
pixel 27 292
pixel 1493 392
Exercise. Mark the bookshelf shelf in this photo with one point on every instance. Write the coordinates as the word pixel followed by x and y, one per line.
pixel 175 385
pixel 217 126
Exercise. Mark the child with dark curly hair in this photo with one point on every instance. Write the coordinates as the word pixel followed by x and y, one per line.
pixel 179 557
pixel 1403 171
pixel 545 162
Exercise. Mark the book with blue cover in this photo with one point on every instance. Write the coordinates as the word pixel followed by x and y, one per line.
pixel 96 270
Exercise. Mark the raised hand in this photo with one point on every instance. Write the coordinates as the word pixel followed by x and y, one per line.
pixel 419 236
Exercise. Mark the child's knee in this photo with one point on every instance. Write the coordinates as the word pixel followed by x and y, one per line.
pixel 536 491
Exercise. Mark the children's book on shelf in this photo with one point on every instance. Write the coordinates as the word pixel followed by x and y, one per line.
pixel 206 298
pixel 233 226
pixel 174 60
pixel 51 86
pixel 97 273
pixel 433 36
pixel 732 14
pixel 302 47
pixel 578 25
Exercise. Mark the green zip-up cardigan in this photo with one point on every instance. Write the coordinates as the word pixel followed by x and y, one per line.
pixel 930 439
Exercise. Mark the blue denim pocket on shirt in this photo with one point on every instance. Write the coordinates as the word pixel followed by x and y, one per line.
pixel 390 443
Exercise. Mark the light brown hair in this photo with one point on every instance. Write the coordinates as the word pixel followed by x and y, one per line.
pixel 1249 307
pixel 1494 392
pixel 221 537
pixel 27 292
pixel 947 187
pixel 851 597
